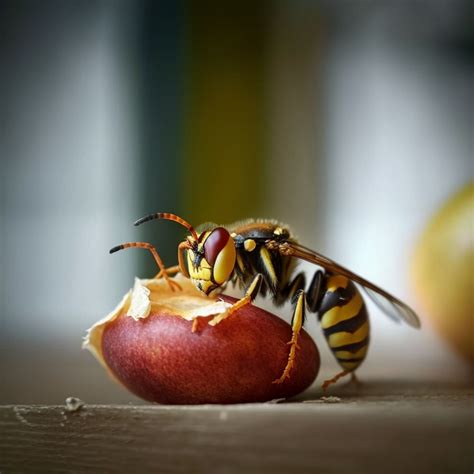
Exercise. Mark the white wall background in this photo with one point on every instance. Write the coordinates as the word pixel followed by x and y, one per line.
pixel 68 174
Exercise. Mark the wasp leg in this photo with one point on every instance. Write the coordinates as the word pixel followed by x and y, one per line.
pixel 314 293
pixel 169 271
pixel 195 325
pixel 145 245
pixel 355 380
pixel 291 289
pixel 250 294
pixel 181 267
pixel 296 325
pixel 335 379
pixel 181 260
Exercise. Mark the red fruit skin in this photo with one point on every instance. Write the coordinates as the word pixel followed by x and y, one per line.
pixel 161 360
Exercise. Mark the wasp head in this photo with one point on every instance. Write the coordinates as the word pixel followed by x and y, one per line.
pixel 210 256
pixel 211 259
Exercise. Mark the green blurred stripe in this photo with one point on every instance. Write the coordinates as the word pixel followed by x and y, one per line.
pixel 223 118
pixel 160 87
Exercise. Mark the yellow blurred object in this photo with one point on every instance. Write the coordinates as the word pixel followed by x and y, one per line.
pixel 443 271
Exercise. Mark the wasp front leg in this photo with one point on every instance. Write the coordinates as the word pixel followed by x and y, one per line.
pixel 145 245
pixel 296 325
pixel 168 271
pixel 250 294
pixel 181 267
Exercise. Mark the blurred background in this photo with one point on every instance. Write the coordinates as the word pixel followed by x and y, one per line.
pixel 352 121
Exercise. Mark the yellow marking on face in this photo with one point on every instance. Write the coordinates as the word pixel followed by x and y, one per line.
pixel 342 338
pixel 204 284
pixel 225 262
pixel 337 281
pixel 342 313
pixel 200 273
pixel 278 231
pixel 233 235
pixel 204 271
pixel 249 245
pixel 351 355
pixel 267 261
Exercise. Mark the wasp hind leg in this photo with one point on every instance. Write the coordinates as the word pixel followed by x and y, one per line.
pixel 349 368
pixel 329 382
pixel 355 380
pixel 250 294
pixel 296 325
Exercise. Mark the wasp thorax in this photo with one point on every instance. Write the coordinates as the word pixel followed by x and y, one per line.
pixel 212 260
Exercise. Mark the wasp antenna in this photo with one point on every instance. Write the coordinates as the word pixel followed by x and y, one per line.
pixel 116 248
pixel 170 217
pixel 146 219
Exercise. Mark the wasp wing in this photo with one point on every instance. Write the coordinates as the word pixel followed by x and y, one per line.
pixel 391 306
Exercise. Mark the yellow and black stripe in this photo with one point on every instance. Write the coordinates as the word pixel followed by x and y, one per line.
pixel 344 320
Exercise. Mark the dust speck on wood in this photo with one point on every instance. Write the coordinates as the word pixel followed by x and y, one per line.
pixel 73 404
pixel 330 399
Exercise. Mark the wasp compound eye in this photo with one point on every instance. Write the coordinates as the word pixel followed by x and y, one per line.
pixel 214 243
pixel 219 252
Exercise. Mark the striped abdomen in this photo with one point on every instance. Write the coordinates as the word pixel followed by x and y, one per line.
pixel 343 318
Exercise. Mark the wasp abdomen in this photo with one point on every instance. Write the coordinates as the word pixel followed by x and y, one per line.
pixel 344 320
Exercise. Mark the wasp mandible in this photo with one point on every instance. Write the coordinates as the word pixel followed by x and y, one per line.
pixel 260 256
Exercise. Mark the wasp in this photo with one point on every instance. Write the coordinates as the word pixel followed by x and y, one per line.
pixel 260 256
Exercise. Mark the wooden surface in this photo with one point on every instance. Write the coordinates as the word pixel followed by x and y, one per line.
pixel 384 427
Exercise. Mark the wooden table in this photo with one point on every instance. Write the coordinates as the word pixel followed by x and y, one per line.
pixel 379 427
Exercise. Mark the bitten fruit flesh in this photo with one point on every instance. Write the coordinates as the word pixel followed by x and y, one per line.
pixel 150 347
